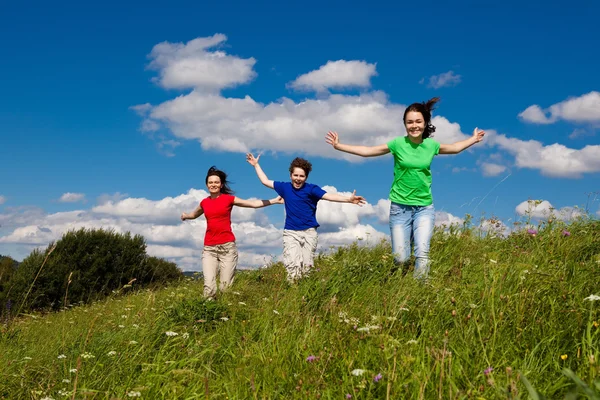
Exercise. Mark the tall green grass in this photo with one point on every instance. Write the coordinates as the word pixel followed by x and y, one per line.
pixel 499 318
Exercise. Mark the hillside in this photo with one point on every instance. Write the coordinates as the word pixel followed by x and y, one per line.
pixel 496 316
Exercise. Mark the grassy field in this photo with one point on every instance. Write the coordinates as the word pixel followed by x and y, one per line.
pixel 500 318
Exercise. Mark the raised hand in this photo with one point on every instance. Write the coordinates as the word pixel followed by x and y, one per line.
pixel 354 199
pixel 251 159
pixel 478 135
pixel 332 138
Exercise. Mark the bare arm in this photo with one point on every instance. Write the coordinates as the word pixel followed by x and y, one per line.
pixel 338 198
pixel 261 175
pixel 257 203
pixel 333 139
pixel 194 214
pixel 457 147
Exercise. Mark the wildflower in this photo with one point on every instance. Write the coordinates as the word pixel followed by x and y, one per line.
pixel 412 341
pixel 241 303
pixel 592 297
pixel 66 381
pixel 357 372
pixel 566 233
pixel 275 312
pixel 348 396
pixel 27 358
pixel 311 358
pixel 121 326
pixel 224 319
pixel 87 355
pixel 596 324
pixel 132 342
pixel 171 333
pixel 493 261
pixel 532 232
pixel 111 353
pixel 47 398
pixel 134 394
pixel 564 357
pixel 135 326
pixel 238 293
pixel 403 309
pixel 488 371
pixel 73 370
pixel 377 378
pixel 63 393
pixel 124 316
pixel 61 357
pixel 185 335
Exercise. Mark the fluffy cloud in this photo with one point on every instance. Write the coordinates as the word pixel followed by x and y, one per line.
pixel 443 218
pixel 2 200
pixel 492 169
pixel 542 209
pixel 336 75
pixel 194 65
pixel 554 160
pixel 585 108
pixel 446 79
pixel 71 197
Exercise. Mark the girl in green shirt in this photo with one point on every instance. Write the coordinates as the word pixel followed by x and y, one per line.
pixel 411 211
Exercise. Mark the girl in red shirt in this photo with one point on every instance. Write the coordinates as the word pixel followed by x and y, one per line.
pixel 220 252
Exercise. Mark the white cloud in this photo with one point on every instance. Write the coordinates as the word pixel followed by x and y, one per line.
pixel 193 65
pixel 543 209
pixel 446 79
pixel 336 75
pixel 582 109
pixel 72 197
pixel 115 197
pixel 554 160
pixel 2 199
pixel 444 218
pixel 365 234
pixel 492 169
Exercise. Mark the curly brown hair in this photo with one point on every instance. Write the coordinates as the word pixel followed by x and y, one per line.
pixel 301 163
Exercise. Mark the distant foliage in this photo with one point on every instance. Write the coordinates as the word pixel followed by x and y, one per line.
pixel 82 266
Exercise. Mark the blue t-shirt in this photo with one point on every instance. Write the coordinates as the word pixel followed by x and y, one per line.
pixel 300 204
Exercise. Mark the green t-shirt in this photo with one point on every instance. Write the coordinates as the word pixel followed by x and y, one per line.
pixel 412 176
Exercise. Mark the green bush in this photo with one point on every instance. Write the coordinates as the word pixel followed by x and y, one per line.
pixel 82 266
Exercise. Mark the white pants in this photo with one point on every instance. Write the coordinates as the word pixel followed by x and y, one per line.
pixel 221 258
pixel 299 249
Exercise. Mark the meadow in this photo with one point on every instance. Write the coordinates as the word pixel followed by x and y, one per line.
pixel 500 318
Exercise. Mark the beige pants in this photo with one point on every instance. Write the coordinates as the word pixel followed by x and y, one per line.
pixel 299 249
pixel 221 258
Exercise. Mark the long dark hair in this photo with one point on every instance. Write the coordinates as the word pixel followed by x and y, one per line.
pixel 213 171
pixel 425 108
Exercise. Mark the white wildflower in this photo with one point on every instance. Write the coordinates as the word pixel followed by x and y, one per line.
pixel 135 326
pixel 111 353
pixel 66 381
pixel 62 392
pixel 47 398
pixel 133 342
pixel 61 357
pixel 403 309
pixel 124 316
pixel 411 341
pixel 87 355
pixel 241 303
pixel 224 319
pixel 134 394
pixel 357 372
pixel 392 318
pixel 121 326
pixel 185 335
pixel 592 297
pixel 368 328
pixel 493 261
pixel 73 370
pixel 275 312
pixel 27 358
pixel 171 333
pixel 238 293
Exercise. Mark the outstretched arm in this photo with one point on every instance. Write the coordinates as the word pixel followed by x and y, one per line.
pixel 257 203
pixel 338 198
pixel 194 214
pixel 261 175
pixel 333 139
pixel 457 147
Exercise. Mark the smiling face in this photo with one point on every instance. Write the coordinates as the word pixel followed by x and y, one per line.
pixel 415 125
pixel 214 185
pixel 298 178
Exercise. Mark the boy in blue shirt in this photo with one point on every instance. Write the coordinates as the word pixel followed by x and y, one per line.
pixel 300 199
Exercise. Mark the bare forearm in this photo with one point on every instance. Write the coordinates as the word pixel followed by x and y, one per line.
pixel 262 176
pixel 256 203
pixel 336 197
pixel 363 151
pixel 457 147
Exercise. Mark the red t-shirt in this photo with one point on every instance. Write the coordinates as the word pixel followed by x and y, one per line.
pixel 218 219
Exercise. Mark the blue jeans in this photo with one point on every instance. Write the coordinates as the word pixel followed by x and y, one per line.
pixel 412 225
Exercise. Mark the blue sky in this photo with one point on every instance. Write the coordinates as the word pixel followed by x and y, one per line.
pixel 112 113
